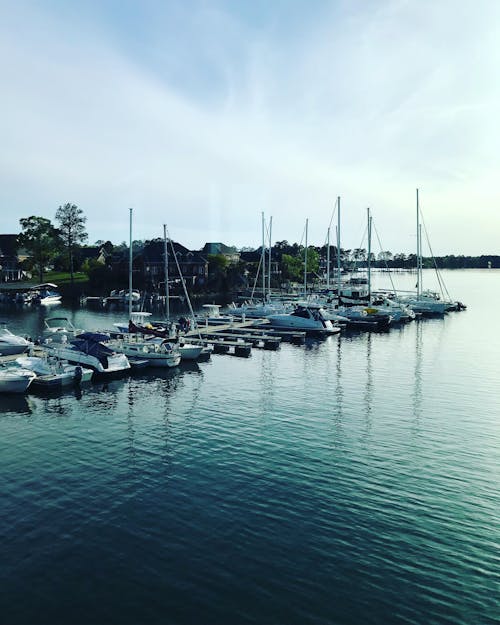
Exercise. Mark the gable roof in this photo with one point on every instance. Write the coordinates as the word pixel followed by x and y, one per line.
pixel 218 248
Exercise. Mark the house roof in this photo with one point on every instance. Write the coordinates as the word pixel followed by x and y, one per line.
pixel 218 248
pixel 8 245
pixel 153 252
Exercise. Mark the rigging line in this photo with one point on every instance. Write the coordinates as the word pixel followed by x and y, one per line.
pixel 333 212
pixel 183 282
pixel 256 278
pixel 303 235
pixel 385 260
pixel 361 246
pixel 442 285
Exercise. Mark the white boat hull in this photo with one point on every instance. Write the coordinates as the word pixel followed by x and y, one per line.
pixel 117 363
pixel 15 380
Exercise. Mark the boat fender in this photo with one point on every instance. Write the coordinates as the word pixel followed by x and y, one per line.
pixel 78 374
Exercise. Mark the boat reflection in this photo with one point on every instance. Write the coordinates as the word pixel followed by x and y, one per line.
pixel 16 404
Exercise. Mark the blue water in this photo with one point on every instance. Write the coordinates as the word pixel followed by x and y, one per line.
pixel 349 481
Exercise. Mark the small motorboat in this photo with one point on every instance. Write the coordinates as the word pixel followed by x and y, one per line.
pixel 14 379
pixel 11 343
pixel 54 373
pixel 60 330
pixel 45 294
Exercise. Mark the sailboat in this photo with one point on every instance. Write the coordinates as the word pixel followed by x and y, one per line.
pixel 423 302
pixel 189 349
pixel 258 310
pixel 307 316
pixel 131 343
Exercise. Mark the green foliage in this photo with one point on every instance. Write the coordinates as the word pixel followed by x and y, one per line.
pixel 217 263
pixel 72 229
pixel 41 240
pixel 292 267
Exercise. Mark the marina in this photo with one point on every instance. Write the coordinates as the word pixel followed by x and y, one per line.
pixel 352 471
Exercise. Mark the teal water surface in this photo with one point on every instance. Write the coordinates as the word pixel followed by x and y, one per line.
pixel 352 480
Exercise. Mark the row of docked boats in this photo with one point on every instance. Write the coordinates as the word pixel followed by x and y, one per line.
pixel 67 355
pixel 366 311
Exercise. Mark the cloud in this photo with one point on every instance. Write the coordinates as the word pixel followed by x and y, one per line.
pixel 201 118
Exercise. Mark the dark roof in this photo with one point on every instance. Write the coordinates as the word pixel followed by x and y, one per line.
pixel 218 248
pixel 153 252
pixel 8 245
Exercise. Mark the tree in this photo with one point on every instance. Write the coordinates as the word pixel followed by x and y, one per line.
pixel 40 239
pixel 72 229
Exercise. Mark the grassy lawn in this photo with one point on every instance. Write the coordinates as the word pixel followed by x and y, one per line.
pixel 60 278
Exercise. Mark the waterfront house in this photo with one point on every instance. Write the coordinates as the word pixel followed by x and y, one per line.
pixel 10 269
pixel 151 261
pixel 230 252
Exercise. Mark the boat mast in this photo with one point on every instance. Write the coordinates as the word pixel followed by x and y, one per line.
pixel 328 258
pixel 419 252
pixel 263 261
pixel 270 249
pixel 339 282
pixel 305 263
pixel 165 260
pixel 130 268
pixel 369 256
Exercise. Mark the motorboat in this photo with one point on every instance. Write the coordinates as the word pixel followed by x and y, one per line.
pixel 60 330
pixel 251 310
pixel 123 296
pixel 15 379
pixel 212 316
pixel 89 349
pixel 138 318
pixel 45 294
pixel 365 317
pixel 52 373
pixel 161 353
pixel 305 317
pixel 11 343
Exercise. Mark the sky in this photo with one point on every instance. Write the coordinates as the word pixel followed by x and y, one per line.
pixel 203 115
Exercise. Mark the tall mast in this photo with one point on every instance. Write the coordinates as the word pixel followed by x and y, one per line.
pixel 263 260
pixel 339 282
pixel 130 267
pixel 305 263
pixel 328 258
pixel 369 256
pixel 165 260
pixel 419 252
pixel 269 253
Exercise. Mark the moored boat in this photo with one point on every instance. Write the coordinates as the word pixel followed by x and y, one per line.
pixel 11 343
pixel 60 329
pixel 89 349
pixel 54 373
pixel 14 379
pixel 305 317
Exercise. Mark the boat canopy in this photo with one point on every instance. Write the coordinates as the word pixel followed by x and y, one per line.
pixel 45 285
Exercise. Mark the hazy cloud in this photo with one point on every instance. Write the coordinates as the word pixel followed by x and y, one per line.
pixel 202 116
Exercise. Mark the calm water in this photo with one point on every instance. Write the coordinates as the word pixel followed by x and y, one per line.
pixel 350 481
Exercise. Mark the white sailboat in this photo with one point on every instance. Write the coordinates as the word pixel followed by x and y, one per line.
pixel 423 302
pixel 155 352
